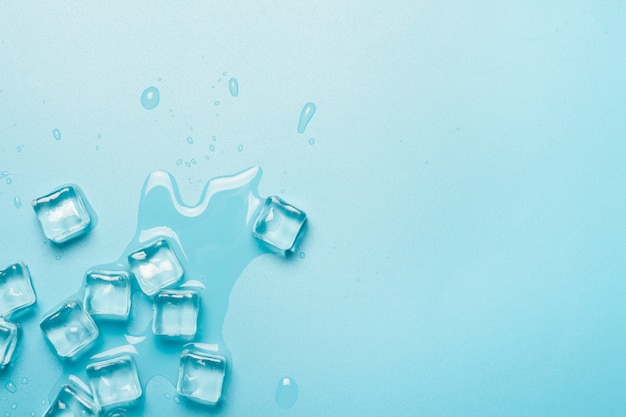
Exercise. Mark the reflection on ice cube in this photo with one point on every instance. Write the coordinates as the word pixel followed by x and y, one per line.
pixel 16 290
pixel 176 314
pixel 72 401
pixel 107 294
pixel 114 381
pixel 69 330
pixel 8 341
pixel 155 267
pixel 201 375
pixel 279 225
pixel 63 214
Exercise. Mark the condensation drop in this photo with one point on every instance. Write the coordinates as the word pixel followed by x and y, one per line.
pixel 56 133
pixel 150 98
pixel 233 87
pixel 312 141
pixel 217 102
pixel 286 392
pixel 17 202
pixel 179 162
pixel 190 140
pixel 10 386
pixel 240 148
pixel 24 380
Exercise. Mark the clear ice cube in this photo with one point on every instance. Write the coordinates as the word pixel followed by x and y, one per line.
pixel 107 294
pixel 69 329
pixel 279 225
pixel 176 314
pixel 16 289
pixel 155 267
pixel 8 341
pixel 114 381
pixel 201 375
pixel 63 213
pixel 72 401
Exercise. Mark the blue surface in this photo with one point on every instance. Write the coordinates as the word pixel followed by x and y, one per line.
pixel 464 191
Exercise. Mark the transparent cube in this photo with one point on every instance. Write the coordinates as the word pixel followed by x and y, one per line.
pixel 16 289
pixel 201 375
pixel 8 341
pixel 176 314
pixel 107 294
pixel 69 330
pixel 72 401
pixel 155 267
pixel 114 381
pixel 63 214
pixel 279 225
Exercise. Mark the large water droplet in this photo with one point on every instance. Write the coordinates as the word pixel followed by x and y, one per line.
pixel 305 116
pixel 287 392
pixel 56 133
pixel 150 98
pixel 233 86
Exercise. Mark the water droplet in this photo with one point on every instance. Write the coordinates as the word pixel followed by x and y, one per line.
pixel 188 164
pixel 56 133
pixel 224 73
pixel 8 181
pixel 233 86
pixel 217 102
pixel 305 116
pixel 43 402
pixel 214 138
pixel 13 406
pixel 19 148
pixel 206 157
pixel 212 148
pixel 58 257
pixel 10 386
pixel 99 135
pixel 168 396
pixel 150 98
pixel 190 140
pixel 17 202
pixel 312 141
pixel 7 414
pixel 177 399
pixel 302 255
pixel 193 161
pixel 286 392
pixel 97 147
pixel 179 162
pixel 24 380
pixel 240 148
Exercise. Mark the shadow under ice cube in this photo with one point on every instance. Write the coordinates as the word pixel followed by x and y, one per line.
pixel 107 294
pixel 114 381
pixel 176 314
pixel 201 375
pixel 16 289
pixel 69 330
pixel 8 341
pixel 155 267
pixel 279 225
pixel 72 401
pixel 63 214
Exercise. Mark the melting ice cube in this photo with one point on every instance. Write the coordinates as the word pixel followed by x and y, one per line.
pixel 8 341
pixel 155 267
pixel 176 314
pixel 279 224
pixel 16 289
pixel 201 375
pixel 63 214
pixel 107 294
pixel 114 381
pixel 69 329
pixel 72 401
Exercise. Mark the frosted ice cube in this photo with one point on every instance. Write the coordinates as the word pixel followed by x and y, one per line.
pixel 107 294
pixel 16 289
pixel 155 267
pixel 69 329
pixel 72 401
pixel 63 213
pixel 201 375
pixel 114 381
pixel 8 341
pixel 176 314
pixel 279 225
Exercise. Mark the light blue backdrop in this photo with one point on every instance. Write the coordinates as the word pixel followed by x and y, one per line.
pixel 465 190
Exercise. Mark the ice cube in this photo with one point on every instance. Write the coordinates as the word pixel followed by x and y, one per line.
pixel 63 214
pixel 155 266
pixel 72 401
pixel 69 329
pixel 107 294
pixel 201 375
pixel 279 225
pixel 16 289
pixel 176 314
pixel 8 341
pixel 114 381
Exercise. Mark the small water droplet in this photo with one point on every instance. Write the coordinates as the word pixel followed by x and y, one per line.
pixel 206 157
pixel 17 202
pixel 302 255
pixel 150 98
pixel 99 135
pixel 214 138
pixel 233 86
pixel 56 133
pixel 9 181
pixel 168 396
pixel 13 406
pixel 312 141
pixel 212 148
pixel 58 257
pixel 177 399
pixel 224 73
pixel 240 148
pixel 217 102
pixel 43 402
pixel 188 164
pixel 7 414
pixel 97 147
pixel 305 116
pixel 190 140
pixel 193 161
pixel 10 386
pixel 24 380
pixel 19 148
pixel 179 162
pixel 286 392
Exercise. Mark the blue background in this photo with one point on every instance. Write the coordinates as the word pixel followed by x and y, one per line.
pixel 465 189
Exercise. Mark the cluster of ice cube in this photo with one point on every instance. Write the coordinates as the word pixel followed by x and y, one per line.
pixel 71 328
